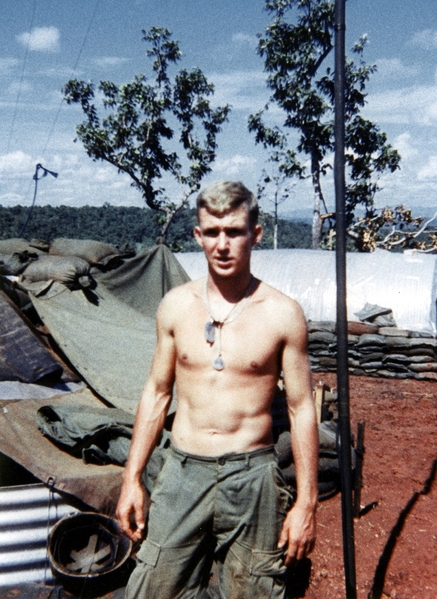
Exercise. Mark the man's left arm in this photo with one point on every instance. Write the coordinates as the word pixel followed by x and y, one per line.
pixel 299 529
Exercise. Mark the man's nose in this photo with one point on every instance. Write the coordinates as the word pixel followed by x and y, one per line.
pixel 222 241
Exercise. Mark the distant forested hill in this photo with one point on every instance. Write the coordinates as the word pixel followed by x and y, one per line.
pixel 135 227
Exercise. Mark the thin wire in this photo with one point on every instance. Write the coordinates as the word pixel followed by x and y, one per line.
pixel 55 120
pixel 20 86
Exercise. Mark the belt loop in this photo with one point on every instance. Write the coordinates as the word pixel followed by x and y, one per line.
pixel 184 460
pixel 247 461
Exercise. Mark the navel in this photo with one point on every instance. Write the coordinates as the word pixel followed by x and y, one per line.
pixel 254 365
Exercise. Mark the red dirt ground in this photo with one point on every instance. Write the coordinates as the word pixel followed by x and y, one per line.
pixel 396 541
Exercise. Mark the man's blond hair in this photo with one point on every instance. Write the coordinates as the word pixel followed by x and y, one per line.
pixel 225 196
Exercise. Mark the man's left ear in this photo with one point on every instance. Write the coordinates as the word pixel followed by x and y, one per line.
pixel 257 234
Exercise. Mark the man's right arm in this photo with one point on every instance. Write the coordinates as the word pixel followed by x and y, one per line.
pixel 149 423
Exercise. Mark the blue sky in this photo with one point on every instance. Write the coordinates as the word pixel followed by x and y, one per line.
pixel 43 43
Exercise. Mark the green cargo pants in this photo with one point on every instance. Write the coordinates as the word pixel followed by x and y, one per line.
pixel 228 508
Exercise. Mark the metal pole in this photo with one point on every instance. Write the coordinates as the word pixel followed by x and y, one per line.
pixel 36 179
pixel 342 346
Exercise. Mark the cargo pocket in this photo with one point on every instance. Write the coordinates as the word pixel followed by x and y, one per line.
pixel 268 563
pixel 167 572
pixel 253 574
pixel 148 553
pixel 143 580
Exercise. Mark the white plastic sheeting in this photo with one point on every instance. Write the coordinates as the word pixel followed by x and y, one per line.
pixel 406 283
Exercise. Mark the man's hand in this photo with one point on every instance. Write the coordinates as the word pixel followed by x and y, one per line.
pixel 298 534
pixel 130 510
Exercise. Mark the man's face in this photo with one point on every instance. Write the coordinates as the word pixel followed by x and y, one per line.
pixel 227 240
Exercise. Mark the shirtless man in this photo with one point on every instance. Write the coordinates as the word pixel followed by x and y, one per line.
pixel 223 342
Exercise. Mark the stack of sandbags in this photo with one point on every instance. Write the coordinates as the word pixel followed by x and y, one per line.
pixel 17 253
pixel 96 253
pixel 69 270
pixel 375 351
pixel 69 260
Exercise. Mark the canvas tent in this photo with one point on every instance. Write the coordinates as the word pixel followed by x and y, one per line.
pixel 107 332
pixel 406 283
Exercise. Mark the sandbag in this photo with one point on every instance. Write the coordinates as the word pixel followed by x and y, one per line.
pixel 94 252
pixel 14 264
pixel 69 270
pixel 19 244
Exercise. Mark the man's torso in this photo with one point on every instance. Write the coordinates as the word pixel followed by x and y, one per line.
pixel 228 410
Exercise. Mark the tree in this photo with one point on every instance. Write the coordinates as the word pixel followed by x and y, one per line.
pixel 137 135
pixel 301 79
pixel 274 184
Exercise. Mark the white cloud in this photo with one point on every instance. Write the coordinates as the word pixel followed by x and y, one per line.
pixel 58 72
pixel 109 61
pixel 244 90
pixel 429 170
pixel 16 163
pixel 409 105
pixel 245 39
pixel 7 64
pixel 81 181
pixel 404 144
pixel 41 39
pixel 19 87
pixel 426 39
pixel 393 68
pixel 234 165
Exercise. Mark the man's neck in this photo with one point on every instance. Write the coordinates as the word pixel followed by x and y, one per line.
pixel 231 289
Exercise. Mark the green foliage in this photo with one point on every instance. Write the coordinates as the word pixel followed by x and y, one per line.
pixel 296 49
pixel 291 234
pixel 153 127
pixel 129 226
pixel 117 225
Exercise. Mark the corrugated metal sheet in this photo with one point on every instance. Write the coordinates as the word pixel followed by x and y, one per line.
pixel 406 283
pixel 27 513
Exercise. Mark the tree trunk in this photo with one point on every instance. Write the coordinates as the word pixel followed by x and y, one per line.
pixel 170 213
pixel 317 221
pixel 166 225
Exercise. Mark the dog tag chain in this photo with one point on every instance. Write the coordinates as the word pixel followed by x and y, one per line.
pixel 213 324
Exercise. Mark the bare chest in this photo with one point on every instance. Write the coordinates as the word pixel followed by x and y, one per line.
pixel 249 344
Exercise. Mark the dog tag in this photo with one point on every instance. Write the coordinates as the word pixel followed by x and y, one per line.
pixel 218 363
pixel 210 331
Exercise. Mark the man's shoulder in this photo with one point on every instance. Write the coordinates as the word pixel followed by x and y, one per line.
pixel 181 295
pixel 176 303
pixel 278 300
pixel 283 314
